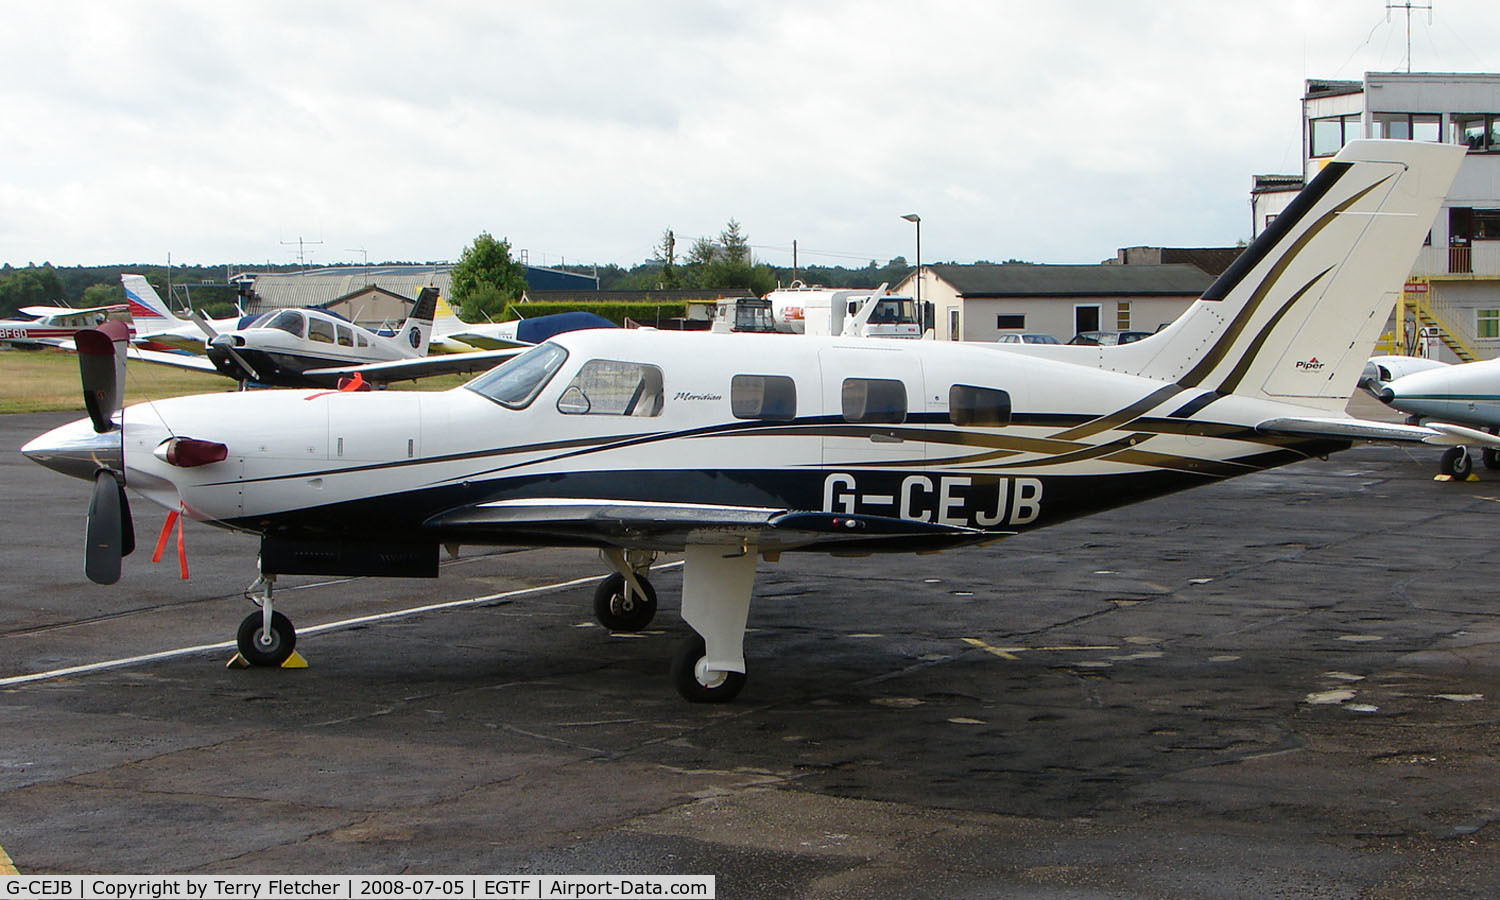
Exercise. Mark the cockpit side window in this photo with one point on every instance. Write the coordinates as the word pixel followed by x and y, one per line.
pixel 607 387
pixel 320 331
pixel 516 382
pixel 287 320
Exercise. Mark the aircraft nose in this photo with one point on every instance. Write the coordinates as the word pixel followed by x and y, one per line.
pixel 75 449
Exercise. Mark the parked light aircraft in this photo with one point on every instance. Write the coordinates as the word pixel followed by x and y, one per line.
pixel 54 326
pixel 1431 391
pixel 732 448
pixel 450 334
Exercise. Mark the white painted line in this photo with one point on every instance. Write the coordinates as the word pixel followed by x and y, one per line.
pixel 312 629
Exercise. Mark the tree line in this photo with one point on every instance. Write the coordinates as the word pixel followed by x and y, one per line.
pixel 485 279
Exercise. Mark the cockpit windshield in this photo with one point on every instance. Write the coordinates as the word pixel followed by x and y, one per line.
pixel 515 383
pixel 287 320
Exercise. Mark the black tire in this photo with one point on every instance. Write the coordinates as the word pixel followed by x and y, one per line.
pixel 277 651
pixel 1491 458
pixel 1457 462
pixel 617 612
pixel 685 678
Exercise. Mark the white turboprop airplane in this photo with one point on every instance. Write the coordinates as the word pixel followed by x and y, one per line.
pixel 732 448
pixel 1429 392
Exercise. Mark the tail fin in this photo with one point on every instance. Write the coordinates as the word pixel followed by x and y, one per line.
pixel 416 331
pixel 146 307
pixel 1297 314
pixel 445 320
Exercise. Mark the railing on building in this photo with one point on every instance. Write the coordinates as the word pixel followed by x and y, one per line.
pixel 1480 259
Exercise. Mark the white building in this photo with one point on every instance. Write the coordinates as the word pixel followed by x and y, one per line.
pixel 1455 285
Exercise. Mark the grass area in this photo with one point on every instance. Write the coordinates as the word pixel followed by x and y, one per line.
pixel 47 381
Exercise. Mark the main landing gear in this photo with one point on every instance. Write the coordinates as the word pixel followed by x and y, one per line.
pixel 1458 462
pixel 709 665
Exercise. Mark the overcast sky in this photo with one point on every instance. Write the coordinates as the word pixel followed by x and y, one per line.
pixel 1046 131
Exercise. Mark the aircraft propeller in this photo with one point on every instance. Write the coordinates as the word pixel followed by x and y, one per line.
pixel 110 532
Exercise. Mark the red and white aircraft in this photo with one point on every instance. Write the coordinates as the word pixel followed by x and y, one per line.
pixel 54 326
pixel 736 448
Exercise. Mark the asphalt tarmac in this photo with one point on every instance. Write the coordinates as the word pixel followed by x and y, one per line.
pixel 1281 686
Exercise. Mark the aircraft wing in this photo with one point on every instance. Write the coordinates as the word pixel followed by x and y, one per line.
pixel 1439 433
pixel 657 525
pixel 423 366
pixel 167 358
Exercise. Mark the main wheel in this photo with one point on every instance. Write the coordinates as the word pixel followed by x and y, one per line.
pixel 1458 462
pixel 261 649
pixel 619 610
pixel 1491 458
pixel 696 685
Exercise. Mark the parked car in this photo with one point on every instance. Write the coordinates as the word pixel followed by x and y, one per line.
pixel 1108 338
pixel 1026 337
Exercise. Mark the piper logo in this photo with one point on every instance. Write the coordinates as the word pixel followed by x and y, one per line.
pixel 1311 365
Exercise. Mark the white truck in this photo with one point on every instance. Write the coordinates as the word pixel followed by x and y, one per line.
pixel 860 312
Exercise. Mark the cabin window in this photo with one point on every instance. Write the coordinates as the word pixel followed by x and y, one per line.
pixel 607 387
pixel 763 397
pixel 361 341
pixel 320 331
pixel 288 321
pixel 977 406
pixel 346 336
pixel 516 382
pixel 874 401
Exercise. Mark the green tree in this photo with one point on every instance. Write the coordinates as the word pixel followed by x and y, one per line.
pixel 485 279
pixel 103 294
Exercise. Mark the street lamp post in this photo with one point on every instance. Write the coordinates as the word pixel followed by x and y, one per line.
pixel 921 311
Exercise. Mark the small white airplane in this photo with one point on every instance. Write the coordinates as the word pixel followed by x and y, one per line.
pixel 299 347
pixel 54 326
pixel 1430 391
pixel 734 448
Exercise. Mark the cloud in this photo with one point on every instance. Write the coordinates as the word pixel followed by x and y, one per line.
pixel 581 130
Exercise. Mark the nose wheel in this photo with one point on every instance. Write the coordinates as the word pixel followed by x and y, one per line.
pixel 621 607
pixel 262 646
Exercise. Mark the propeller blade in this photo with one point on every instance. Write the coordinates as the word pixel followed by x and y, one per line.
pixel 108 529
pixel 101 365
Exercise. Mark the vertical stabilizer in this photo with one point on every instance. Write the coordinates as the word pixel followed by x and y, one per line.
pixel 1297 314
pixel 146 306
pixel 416 331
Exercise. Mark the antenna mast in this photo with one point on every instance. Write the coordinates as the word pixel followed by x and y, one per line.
pixel 1408 6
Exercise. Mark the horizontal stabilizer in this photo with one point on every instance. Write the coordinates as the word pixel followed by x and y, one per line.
pixel 1437 433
